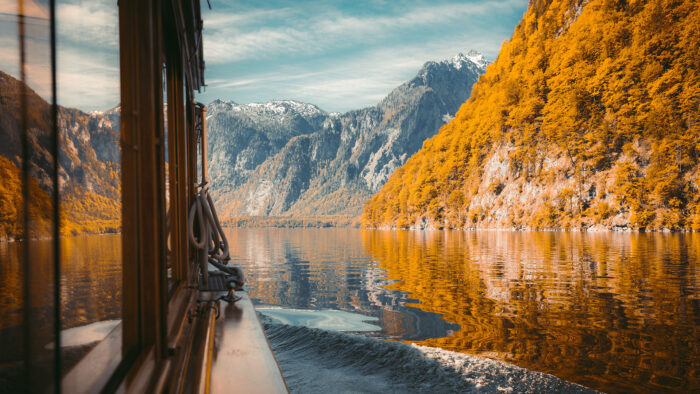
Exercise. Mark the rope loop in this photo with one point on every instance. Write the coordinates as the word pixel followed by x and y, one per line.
pixel 209 239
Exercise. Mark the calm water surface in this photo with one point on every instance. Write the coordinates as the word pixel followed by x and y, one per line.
pixel 614 312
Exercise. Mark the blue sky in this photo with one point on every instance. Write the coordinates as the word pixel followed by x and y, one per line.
pixel 339 55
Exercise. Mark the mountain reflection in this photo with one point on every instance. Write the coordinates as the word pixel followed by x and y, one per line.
pixel 610 311
pixel 327 269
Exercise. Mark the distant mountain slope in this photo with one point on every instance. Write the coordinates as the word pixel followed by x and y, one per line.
pixel 293 159
pixel 89 164
pixel 589 117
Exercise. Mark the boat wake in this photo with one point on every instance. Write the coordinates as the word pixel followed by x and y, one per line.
pixel 315 360
pixel 324 319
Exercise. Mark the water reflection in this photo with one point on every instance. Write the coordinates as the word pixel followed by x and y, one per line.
pixel 615 312
pixel 327 269
pixel 611 311
pixel 90 288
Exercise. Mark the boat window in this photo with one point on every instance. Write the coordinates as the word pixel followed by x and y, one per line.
pixel 67 317
pixel 87 78
pixel 60 214
pixel 28 211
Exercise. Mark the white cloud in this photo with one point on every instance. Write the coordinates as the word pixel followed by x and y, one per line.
pixel 9 61
pixel 37 57
pixel 86 82
pixel 359 82
pixel 87 52
pixel 218 20
pixel 264 78
pixel 225 46
pixel 230 42
pixel 88 23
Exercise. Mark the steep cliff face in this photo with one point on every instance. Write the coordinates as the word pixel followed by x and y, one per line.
pixel 89 163
pixel 242 137
pixel 289 158
pixel 588 118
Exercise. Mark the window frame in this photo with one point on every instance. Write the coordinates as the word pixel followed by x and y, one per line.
pixel 155 332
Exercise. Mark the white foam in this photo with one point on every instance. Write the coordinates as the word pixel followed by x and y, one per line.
pixel 333 320
pixel 314 360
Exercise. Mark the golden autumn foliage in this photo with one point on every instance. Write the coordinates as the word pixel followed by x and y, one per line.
pixel 89 160
pixel 12 204
pixel 81 211
pixel 589 117
pixel 84 212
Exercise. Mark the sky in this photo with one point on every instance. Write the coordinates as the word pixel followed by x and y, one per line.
pixel 339 55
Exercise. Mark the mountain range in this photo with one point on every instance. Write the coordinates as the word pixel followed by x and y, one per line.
pixel 278 158
pixel 286 158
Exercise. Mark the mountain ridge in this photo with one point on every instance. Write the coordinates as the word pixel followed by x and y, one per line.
pixel 329 163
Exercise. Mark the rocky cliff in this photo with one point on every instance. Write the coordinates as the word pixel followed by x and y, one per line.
pixel 293 159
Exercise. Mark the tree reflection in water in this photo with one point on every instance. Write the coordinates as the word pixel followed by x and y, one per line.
pixel 614 312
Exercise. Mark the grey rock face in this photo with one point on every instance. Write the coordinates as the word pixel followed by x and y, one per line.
pixel 90 150
pixel 242 137
pixel 89 155
pixel 291 158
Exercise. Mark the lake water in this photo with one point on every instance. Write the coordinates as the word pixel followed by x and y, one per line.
pixel 611 311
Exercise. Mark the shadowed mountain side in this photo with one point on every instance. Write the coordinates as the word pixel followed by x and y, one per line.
pixel 286 158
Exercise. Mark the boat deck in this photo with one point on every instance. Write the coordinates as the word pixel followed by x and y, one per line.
pixel 242 360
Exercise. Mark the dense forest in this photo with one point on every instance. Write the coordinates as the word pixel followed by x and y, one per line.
pixel 588 119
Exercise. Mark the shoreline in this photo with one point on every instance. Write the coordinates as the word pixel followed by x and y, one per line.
pixel 45 238
pixel 319 225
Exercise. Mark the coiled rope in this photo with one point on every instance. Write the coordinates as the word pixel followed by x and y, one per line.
pixel 210 241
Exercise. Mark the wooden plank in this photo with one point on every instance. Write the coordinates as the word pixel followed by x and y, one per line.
pixel 203 140
pixel 183 201
pixel 243 360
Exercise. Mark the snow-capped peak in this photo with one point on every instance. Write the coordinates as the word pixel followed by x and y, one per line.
pixel 279 108
pixel 111 111
pixel 471 56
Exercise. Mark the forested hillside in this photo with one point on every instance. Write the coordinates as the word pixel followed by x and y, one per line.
pixel 587 119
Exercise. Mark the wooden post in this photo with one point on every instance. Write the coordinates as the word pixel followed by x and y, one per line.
pixel 143 199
